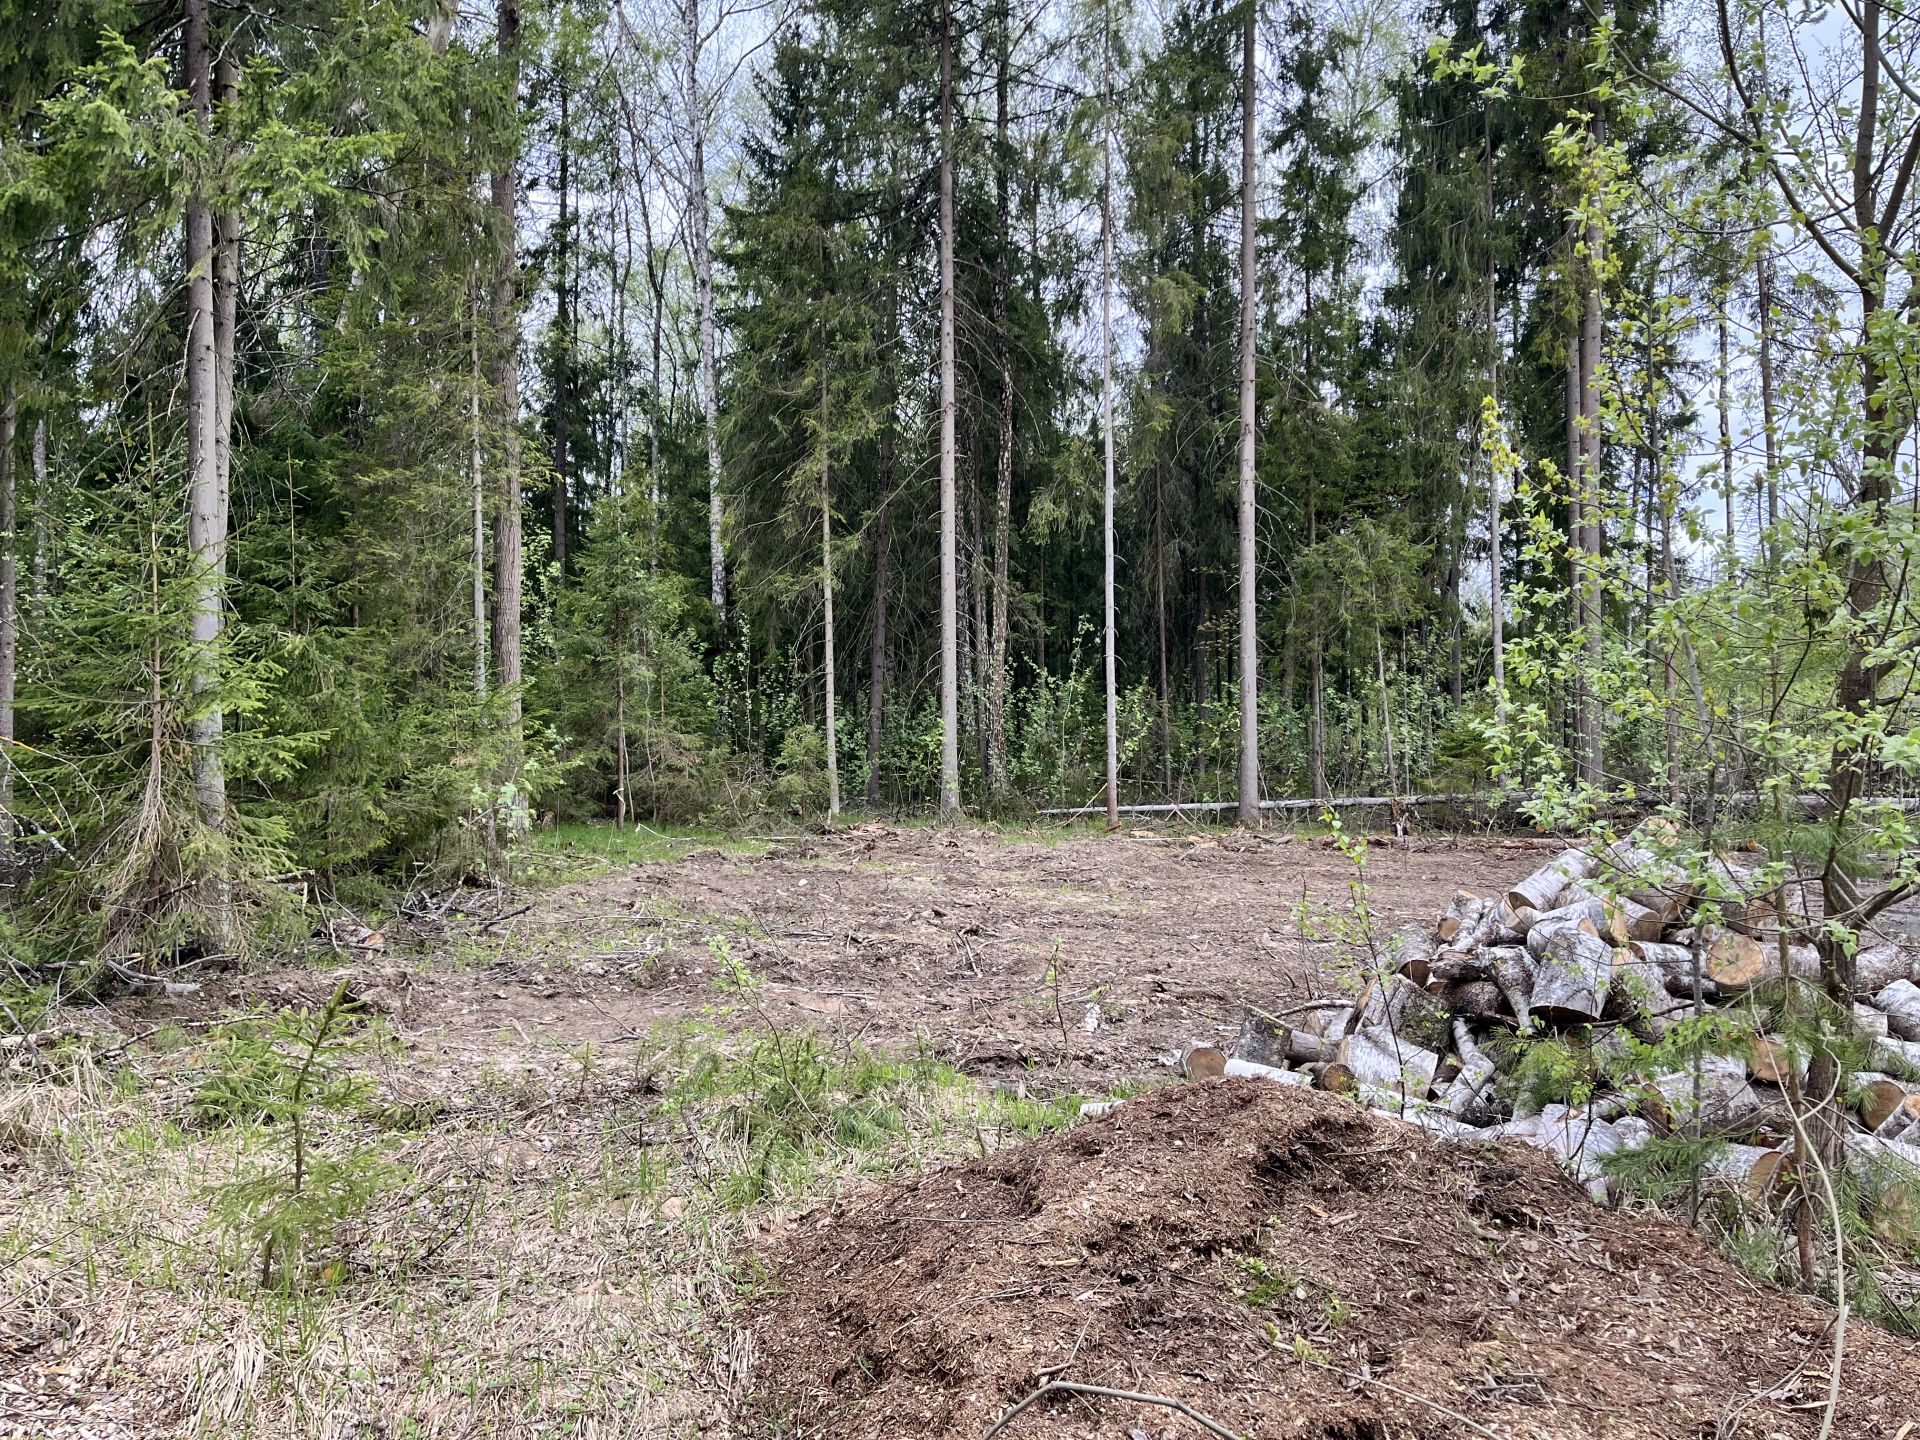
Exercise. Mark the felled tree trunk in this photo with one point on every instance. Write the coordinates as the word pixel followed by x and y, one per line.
pixel 1539 890
pixel 1571 976
pixel 1378 1057
pixel 1901 1003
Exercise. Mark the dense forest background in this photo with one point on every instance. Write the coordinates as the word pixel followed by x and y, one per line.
pixel 416 420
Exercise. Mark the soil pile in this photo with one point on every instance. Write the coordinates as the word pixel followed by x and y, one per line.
pixel 1287 1265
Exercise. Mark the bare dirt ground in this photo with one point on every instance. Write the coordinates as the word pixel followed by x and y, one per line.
pixel 989 952
pixel 602 1109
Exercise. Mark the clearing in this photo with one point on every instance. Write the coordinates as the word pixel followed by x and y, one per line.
pixel 612 1122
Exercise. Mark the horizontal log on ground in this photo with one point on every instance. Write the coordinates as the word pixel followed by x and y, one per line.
pixel 1900 1001
pixel 1757 1174
pixel 1203 1062
pixel 1540 889
pixel 1572 974
pixel 1247 1070
pixel 1888 1173
pixel 1377 1056
pixel 1399 1005
pixel 1728 1101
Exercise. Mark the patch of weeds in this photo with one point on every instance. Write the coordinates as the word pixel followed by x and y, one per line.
pixel 1027 1116
pixel 792 1107
pixel 731 972
pixel 1262 1284
pixel 1308 1353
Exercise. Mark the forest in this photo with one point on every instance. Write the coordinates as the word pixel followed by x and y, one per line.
pixel 426 422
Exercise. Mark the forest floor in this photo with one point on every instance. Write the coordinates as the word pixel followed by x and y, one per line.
pixel 599 1114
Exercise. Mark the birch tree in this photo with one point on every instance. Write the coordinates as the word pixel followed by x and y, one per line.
pixel 949 568
pixel 1249 301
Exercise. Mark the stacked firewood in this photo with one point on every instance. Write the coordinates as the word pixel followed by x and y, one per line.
pixel 1602 947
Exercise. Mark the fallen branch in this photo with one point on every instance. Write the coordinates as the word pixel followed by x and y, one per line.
pixel 1138 1397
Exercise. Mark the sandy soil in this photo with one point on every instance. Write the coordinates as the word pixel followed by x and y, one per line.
pixel 1076 963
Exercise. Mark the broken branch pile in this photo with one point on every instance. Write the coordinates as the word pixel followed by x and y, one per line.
pixel 1604 951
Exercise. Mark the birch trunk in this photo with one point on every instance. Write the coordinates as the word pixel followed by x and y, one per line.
pixel 507 532
pixel 9 631
pixel 1249 611
pixel 697 221
pixel 1003 488
pixel 1106 413
pixel 826 602
pixel 949 576
pixel 206 517
pixel 478 485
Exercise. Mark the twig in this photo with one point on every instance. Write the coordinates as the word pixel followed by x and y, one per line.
pixel 1138 1397
pixel 1432 1405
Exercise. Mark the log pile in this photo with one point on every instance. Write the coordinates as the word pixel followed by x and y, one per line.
pixel 1601 949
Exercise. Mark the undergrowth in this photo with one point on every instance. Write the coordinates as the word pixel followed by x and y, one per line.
pixel 542 1244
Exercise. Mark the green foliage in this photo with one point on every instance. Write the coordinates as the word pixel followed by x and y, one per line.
pixel 289 1073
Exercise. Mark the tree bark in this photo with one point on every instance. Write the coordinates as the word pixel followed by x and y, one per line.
pixel 563 344
pixel 42 522
pixel 9 630
pixel 1003 488
pixel 1590 537
pixel 697 224
pixel 949 576
pixel 1249 609
pixel 206 513
pixel 478 487
pixel 826 600
pixel 1106 414
pixel 656 286
pixel 504 319
pixel 882 576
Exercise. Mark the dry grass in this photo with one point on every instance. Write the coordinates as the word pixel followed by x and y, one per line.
pixel 558 1258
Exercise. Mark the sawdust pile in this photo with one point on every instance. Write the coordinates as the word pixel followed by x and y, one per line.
pixel 1287 1265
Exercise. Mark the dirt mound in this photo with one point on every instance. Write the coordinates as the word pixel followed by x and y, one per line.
pixel 1288 1266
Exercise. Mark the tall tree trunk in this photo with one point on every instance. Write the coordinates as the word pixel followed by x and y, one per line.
pixel 1496 599
pixel 42 522
pixel 828 671
pixel 226 302
pixel 1455 571
pixel 1386 713
pixel 1106 416
pixel 1249 609
pixel 563 346
pixel 9 630
pixel 1003 487
pixel 697 219
pixel 656 287
pixel 206 512
pixel 504 319
pixel 877 653
pixel 1317 717
pixel 1576 547
pixel 1590 482
pixel 1723 403
pixel 478 487
pixel 973 603
pixel 1763 302
pixel 1160 626
pixel 949 569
